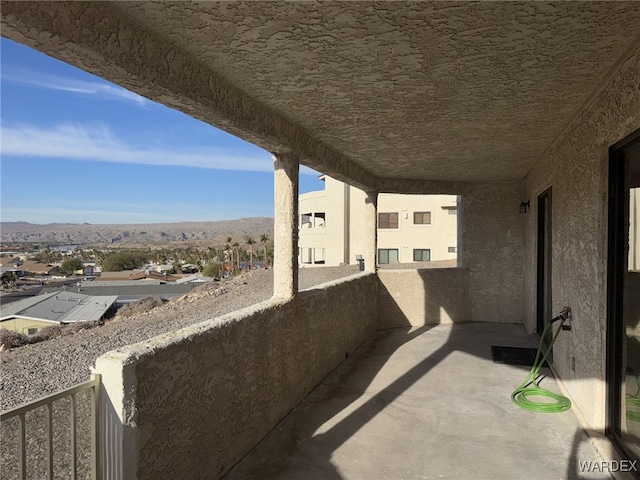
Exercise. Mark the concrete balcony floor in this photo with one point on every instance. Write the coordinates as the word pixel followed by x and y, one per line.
pixel 426 403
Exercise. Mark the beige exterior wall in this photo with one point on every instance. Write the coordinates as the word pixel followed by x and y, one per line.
pixel 492 238
pixel 326 238
pixel 489 284
pixel 246 370
pixel 418 297
pixel 437 236
pixel 576 168
pixel 22 325
pixel 340 235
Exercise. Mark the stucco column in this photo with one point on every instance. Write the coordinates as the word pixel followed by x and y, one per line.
pixel 371 231
pixel 285 228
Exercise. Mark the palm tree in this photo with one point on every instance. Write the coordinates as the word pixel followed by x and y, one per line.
pixel 227 248
pixel 235 247
pixel 264 238
pixel 250 241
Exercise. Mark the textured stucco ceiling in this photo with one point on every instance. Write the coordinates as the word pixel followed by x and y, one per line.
pixel 438 91
pixel 422 90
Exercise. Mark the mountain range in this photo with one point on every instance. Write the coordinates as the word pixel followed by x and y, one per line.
pixel 85 234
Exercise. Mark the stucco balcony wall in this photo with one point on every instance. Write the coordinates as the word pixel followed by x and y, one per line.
pixel 198 399
pixel 418 297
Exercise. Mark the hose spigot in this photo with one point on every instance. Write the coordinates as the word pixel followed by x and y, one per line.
pixel 565 314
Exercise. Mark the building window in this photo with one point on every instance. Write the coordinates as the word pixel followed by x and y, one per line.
pixel 319 220
pixel 305 220
pixel 452 249
pixel 452 211
pixel 305 255
pixel 387 255
pixel 388 220
pixel 421 255
pixel 421 218
pixel 31 331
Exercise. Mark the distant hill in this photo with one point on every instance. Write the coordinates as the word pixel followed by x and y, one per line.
pixel 135 235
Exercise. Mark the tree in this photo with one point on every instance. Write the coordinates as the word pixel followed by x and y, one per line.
pixel 71 265
pixel 212 270
pixel 124 260
pixel 235 247
pixel 250 241
pixel 48 256
pixel 264 238
pixel 227 247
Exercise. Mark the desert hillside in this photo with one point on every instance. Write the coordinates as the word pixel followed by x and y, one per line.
pixel 131 235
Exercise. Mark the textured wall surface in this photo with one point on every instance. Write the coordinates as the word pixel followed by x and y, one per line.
pixel 492 249
pixel 386 64
pixel 576 168
pixel 193 402
pixel 285 232
pixel 423 297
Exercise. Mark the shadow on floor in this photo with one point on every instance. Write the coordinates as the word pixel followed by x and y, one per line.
pixel 422 403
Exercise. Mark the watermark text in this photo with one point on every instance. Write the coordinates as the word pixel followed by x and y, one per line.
pixel 589 466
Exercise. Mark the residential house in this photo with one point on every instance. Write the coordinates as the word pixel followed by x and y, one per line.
pixel 55 308
pixel 124 275
pixel 127 291
pixel 30 267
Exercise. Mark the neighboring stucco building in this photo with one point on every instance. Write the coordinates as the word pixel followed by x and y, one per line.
pixel 411 228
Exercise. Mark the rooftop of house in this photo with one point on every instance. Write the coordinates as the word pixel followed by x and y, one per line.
pixel 35 267
pixel 62 307
pixel 129 289
pixel 123 275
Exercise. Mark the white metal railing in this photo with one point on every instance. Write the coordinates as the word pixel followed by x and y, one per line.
pixel 93 386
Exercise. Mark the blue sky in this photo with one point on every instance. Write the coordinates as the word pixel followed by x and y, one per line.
pixel 76 148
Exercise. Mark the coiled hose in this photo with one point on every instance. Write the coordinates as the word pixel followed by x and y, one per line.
pixel 530 388
pixel 634 401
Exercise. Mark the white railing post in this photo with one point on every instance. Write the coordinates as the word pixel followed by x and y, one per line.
pixel 95 426
pixel 22 446
pixel 20 411
pixel 72 433
pixel 50 440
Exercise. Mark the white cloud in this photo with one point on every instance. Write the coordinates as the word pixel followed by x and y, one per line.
pixel 77 142
pixel 100 89
pixel 100 144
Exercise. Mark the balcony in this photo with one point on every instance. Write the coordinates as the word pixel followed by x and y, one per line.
pixel 499 103
pixel 367 387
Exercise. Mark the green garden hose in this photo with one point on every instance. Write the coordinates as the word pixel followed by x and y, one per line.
pixel 530 388
pixel 634 401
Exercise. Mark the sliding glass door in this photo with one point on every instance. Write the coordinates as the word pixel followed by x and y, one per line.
pixel 623 348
